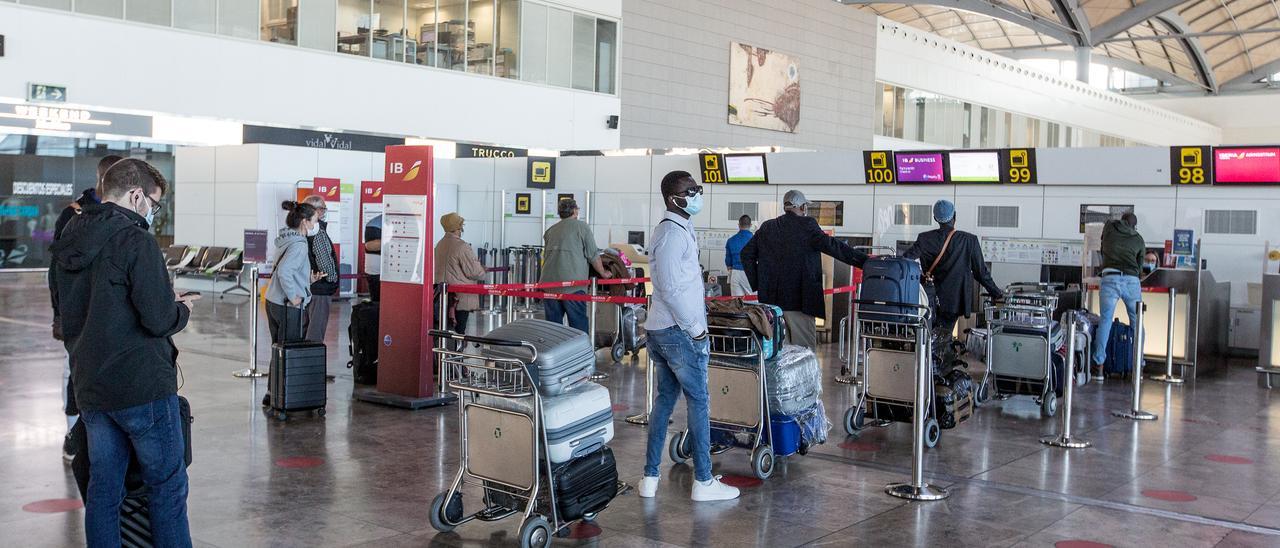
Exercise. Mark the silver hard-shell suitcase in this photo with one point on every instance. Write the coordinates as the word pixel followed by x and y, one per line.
pixel 578 422
pixel 565 358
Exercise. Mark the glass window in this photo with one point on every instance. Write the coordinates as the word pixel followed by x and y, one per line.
pixel 389 32
pixel 239 18
pixel 533 39
pixel 453 34
pixel 55 4
pixel 584 52
pixel 354 21
pixel 104 8
pixel 421 27
pixel 606 55
pixel 506 58
pixel 480 19
pixel 899 111
pixel 985 125
pixel 559 47
pixel 279 21
pixel 317 23
pixel 155 12
pixel 966 126
pixel 197 15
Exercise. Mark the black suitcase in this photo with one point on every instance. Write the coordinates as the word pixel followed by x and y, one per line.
pixel 889 280
pixel 363 334
pixel 135 518
pixel 586 485
pixel 297 379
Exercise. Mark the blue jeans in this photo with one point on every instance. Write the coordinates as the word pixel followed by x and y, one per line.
pixel 1117 286
pixel 152 431
pixel 576 310
pixel 680 364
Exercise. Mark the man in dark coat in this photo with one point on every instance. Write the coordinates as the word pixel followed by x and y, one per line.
pixel 962 261
pixel 783 264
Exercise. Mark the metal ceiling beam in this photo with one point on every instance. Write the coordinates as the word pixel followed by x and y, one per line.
pixel 1193 49
pixel 1125 64
pixel 1259 72
pixel 1042 25
pixel 1130 17
pixel 1187 35
pixel 1072 16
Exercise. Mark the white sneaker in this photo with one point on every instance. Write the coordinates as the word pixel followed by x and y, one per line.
pixel 712 489
pixel 648 487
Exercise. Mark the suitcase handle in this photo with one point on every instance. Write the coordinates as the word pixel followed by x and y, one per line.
pixel 890 303
pixel 485 340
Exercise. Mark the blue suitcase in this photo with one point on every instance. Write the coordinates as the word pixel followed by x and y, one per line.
pixel 889 280
pixel 1119 350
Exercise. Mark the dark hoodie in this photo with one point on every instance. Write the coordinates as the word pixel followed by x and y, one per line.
pixel 1122 248
pixel 88 197
pixel 117 308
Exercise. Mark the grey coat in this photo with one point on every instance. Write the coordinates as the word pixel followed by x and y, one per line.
pixel 291 277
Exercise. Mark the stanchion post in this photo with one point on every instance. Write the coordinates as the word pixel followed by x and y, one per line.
pixel 1168 376
pixel 1139 338
pixel 252 371
pixel 848 369
pixel 442 316
pixel 917 489
pixel 1063 439
pixel 643 418
pixel 591 329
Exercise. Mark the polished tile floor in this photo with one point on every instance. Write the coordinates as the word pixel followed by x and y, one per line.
pixel 1201 475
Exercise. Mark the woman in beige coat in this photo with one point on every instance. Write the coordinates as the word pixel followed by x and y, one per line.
pixel 456 263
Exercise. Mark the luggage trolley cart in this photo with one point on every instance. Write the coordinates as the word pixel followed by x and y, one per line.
pixel 738 400
pixel 502 450
pixel 893 343
pixel 1020 347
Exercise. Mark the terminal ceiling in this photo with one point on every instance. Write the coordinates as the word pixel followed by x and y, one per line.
pixel 1210 46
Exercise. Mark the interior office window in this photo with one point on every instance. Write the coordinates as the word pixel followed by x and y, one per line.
pixel 1067 139
pixel 913 215
pixel 985 120
pixel 606 55
pixel 155 12
pixel 966 128
pixel 317 24
pixel 533 40
pixel 239 18
pixel 899 110
pixel 506 59
pixel 355 18
pixel 279 21
pixel 480 19
pixel 559 47
pixel 738 209
pixel 455 34
pixel 389 33
pixel 1227 221
pixel 55 4
pixel 197 15
pixel 102 8
pixel 420 22
pixel 1007 139
pixel 584 52
pixel 997 216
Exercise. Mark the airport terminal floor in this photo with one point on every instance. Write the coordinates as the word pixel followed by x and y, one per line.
pixel 365 475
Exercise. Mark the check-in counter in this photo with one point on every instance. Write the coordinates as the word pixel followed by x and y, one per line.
pixel 1269 347
pixel 1201 310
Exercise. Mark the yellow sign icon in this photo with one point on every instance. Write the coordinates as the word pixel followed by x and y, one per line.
pixel 879 160
pixel 541 172
pixel 711 162
pixel 1018 158
pixel 1191 157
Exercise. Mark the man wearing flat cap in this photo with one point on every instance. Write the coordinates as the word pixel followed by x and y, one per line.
pixel 456 263
pixel 783 263
pixel 960 262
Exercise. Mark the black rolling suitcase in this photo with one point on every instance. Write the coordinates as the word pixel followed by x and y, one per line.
pixel 297 379
pixel 363 333
pixel 586 485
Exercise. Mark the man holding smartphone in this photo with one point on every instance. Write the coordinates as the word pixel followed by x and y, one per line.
pixel 119 314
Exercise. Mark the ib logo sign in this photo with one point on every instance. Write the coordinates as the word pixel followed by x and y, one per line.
pixel 397 168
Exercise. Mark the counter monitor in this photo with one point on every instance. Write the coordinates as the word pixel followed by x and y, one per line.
pixel 974 167
pixel 920 167
pixel 827 212
pixel 1246 165
pixel 745 168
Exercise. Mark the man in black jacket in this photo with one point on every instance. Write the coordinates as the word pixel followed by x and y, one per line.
pixel 783 263
pixel 89 196
pixel 961 262
pixel 119 314
pixel 323 261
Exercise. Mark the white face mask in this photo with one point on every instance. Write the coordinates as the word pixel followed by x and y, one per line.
pixel 147 212
pixel 315 229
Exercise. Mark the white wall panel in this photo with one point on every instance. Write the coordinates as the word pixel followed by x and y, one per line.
pixel 625 174
pixel 236 163
pixel 1132 166
pixel 835 168
pixel 349 166
pixel 1028 199
pixel 194 164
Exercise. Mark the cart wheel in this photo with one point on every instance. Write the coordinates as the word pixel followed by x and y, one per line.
pixel 678 449
pixel 804 449
pixel 1049 405
pixel 854 418
pixel 443 519
pixel 984 393
pixel 282 416
pixel 931 433
pixel 762 461
pixel 1082 378
pixel 618 352
pixel 320 411
pixel 535 533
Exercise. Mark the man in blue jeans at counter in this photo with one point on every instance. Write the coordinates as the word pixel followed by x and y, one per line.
pixel 1122 254
pixel 678 345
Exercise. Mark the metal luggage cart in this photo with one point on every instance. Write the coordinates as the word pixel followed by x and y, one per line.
pixel 852 362
pixel 894 344
pixel 1020 346
pixel 501 449
pixel 739 403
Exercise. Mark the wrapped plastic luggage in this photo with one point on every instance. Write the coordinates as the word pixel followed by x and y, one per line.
pixel 565 358
pixel 793 381
pixel 578 421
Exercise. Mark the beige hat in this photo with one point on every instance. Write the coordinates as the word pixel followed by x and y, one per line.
pixel 452 222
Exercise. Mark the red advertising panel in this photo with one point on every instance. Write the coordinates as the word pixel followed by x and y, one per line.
pixel 1246 165
pixel 369 208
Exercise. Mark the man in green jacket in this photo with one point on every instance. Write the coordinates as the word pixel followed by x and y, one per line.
pixel 1122 253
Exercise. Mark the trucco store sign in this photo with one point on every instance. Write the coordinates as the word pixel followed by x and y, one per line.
pixel 32 116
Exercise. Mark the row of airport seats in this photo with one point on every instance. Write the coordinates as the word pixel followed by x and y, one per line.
pixel 208 262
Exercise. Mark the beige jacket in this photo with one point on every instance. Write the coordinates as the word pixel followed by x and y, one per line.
pixel 456 263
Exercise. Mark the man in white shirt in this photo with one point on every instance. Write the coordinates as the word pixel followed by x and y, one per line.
pixel 677 330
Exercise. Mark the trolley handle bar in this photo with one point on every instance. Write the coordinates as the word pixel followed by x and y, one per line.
pixel 485 341
pixel 890 303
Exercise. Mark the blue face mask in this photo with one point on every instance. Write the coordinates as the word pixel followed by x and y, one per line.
pixel 692 205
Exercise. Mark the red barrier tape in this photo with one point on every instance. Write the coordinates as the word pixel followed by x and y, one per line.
pixel 470 288
pixel 486 290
